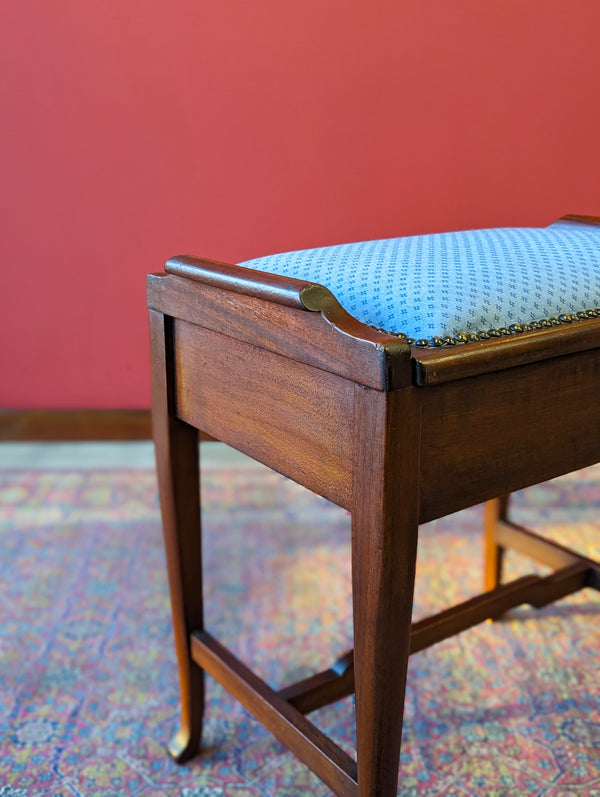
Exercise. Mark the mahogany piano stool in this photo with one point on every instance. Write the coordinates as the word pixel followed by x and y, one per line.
pixel 463 367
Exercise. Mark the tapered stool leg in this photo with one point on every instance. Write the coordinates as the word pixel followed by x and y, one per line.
pixel 384 547
pixel 176 448
pixel 495 511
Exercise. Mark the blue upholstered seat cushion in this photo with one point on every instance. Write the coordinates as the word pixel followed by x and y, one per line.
pixel 456 285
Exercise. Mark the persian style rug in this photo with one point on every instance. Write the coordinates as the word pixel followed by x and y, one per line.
pixel 88 680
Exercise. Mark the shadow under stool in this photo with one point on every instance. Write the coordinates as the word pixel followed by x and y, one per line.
pixel 402 380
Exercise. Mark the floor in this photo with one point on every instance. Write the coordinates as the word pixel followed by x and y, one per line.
pixel 138 454
pixel 535 728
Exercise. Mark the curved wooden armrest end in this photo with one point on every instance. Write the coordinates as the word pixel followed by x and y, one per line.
pixel 273 287
pixel 288 291
pixel 575 219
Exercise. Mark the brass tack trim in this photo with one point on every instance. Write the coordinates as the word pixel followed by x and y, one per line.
pixel 462 338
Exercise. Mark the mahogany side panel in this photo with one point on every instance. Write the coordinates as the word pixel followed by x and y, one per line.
pixel 292 417
pixel 336 342
pixel 500 432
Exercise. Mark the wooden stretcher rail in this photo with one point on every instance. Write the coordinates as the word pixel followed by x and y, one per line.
pixel 324 757
pixel 517 538
pixel 323 688
pixel 338 681
pixel 536 590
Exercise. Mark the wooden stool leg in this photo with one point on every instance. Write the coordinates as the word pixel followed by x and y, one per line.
pixel 384 546
pixel 176 447
pixel 495 511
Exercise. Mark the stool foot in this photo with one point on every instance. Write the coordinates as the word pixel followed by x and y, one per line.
pixel 183 746
pixel 185 743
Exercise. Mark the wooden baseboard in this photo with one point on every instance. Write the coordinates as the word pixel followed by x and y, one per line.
pixel 75 424
pixel 71 425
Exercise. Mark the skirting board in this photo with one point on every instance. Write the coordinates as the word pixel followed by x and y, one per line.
pixel 76 424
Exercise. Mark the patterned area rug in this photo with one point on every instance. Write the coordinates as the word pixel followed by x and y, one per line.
pixel 88 689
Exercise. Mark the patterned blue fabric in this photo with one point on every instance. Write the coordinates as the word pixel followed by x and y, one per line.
pixel 428 286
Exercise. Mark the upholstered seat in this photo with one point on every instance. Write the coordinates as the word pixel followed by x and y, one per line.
pixel 453 287
pixel 375 405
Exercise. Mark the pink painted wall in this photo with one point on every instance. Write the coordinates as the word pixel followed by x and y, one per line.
pixel 135 130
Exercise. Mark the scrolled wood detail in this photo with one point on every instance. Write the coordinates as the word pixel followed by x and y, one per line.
pixel 288 291
pixel 576 219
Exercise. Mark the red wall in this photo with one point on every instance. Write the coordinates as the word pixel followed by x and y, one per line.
pixel 135 130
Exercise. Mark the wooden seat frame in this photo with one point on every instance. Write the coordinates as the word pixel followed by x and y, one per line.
pixel 398 435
